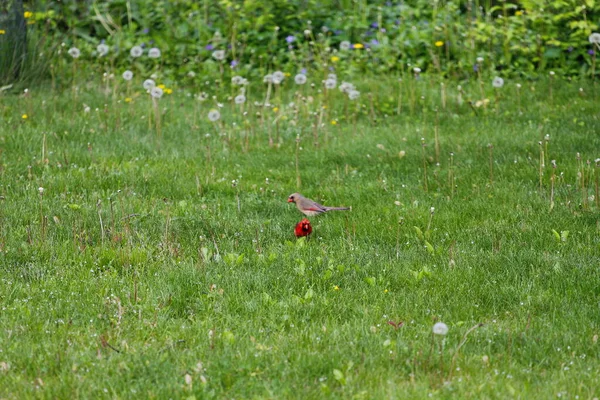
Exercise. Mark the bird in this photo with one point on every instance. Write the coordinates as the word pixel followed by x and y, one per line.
pixel 303 228
pixel 311 208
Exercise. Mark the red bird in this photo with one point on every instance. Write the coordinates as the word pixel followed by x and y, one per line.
pixel 303 228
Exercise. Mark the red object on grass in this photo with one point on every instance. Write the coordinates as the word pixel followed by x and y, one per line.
pixel 303 228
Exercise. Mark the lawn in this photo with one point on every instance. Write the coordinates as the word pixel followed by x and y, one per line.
pixel 146 263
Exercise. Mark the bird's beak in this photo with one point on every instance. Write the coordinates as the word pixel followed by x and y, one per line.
pixel 290 201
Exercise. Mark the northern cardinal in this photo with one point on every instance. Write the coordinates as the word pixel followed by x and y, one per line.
pixel 311 208
pixel 303 228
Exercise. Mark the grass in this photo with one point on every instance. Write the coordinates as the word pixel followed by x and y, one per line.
pixel 142 271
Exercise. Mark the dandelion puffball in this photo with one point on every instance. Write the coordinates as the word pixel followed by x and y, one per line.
pixel 136 51
pixel 353 94
pixel 278 77
pixel 330 83
pixel 128 75
pixel 154 53
pixel 148 84
pixel 74 52
pixel 237 80
pixel 594 38
pixel 214 115
pixel 346 87
pixel 498 82
pixel 240 99
pixel 156 92
pixel 440 328
pixel 300 79
pixel 102 49
pixel 417 70
pixel 479 60
pixel 268 78
pixel 219 55
pixel 345 45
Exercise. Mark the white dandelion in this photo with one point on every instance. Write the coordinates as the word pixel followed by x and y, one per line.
pixel 330 83
pixel 219 55
pixel 74 52
pixel 594 38
pixel 203 96
pixel 237 80
pixel 479 60
pixel 332 76
pixel 156 92
pixel 498 82
pixel 353 94
pixel 268 78
pixel 300 79
pixel 128 75
pixel 240 99
pixel 149 84
pixel 278 77
pixel 102 49
pixel 440 328
pixel 136 51
pixel 346 87
pixel 214 115
pixel 154 53
pixel 345 45
pixel 191 74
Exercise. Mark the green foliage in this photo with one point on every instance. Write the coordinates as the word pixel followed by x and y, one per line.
pixel 520 38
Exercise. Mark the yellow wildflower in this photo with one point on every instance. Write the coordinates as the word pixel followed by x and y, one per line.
pixel 335 59
pixel 358 46
pixel 127 99
pixel 275 109
pixel 336 287
pixel 519 13
pixel 24 116
pixel 439 43
pixel 334 122
pixel 385 291
pixel 2 32
pixel 288 74
pixel 162 86
pixel 28 14
pixel 168 91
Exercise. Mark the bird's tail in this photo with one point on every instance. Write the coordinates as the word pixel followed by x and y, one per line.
pixel 338 208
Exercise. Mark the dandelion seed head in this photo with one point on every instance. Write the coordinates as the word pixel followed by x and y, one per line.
pixel 128 75
pixel 102 49
pixel 345 45
pixel 154 53
pixel 300 79
pixel 440 328
pixel 240 99
pixel 136 51
pixel 353 94
pixel 156 92
pixel 330 83
pixel 214 115
pixel 219 55
pixel 594 38
pixel 498 82
pixel 149 84
pixel 74 52
pixel 278 77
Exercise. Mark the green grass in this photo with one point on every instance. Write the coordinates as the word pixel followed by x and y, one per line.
pixel 189 275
